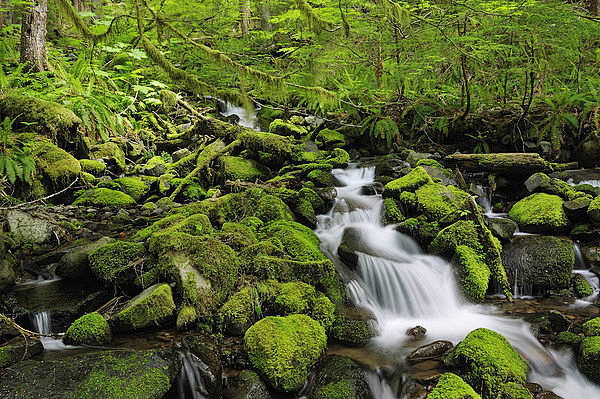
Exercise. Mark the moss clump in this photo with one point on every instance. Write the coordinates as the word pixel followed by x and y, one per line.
pixel 135 187
pixel 329 138
pixel 60 167
pixel 349 330
pixel 540 213
pixel 186 316
pixel 237 168
pixel 321 178
pixel 282 128
pixel 108 261
pixel 540 182
pixel 237 235
pixel 460 233
pixel 92 166
pixel 238 313
pixel 269 149
pixel 151 307
pixel 393 214
pixel 270 208
pixel 473 273
pixel 513 390
pixel 451 386
pixel 284 349
pixel 568 338
pixel 588 360
pixel 90 329
pixel 445 204
pixel 104 197
pixel 594 210
pixel 581 286
pixel 487 360
pixel 110 151
pixel 414 179
pixel 592 327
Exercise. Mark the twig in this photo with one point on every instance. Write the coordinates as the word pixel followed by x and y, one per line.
pixel 42 199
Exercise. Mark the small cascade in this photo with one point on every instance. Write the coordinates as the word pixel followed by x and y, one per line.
pixel 189 383
pixel 41 322
pixel 579 261
pixel 247 118
pixel 484 197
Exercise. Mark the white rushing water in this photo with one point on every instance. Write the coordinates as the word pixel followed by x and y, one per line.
pixel 189 383
pixel 247 117
pixel 42 323
pixel 405 287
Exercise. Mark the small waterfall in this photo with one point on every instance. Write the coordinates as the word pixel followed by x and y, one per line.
pixel 579 261
pixel 189 383
pixel 404 287
pixel 42 322
pixel 247 118
pixel 484 197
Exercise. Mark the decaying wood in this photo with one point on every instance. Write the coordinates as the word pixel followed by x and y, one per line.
pixel 509 163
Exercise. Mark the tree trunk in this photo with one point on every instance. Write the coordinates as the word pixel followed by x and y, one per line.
pixel 78 5
pixel 33 36
pixel 593 6
pixel 245 16
pixel 265 17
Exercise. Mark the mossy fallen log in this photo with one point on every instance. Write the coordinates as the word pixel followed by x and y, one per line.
pixel 509 163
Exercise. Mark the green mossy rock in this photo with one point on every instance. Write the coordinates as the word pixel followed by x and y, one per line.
pixel 328 138
pixel 92 167
pixel 101 197
pixel 113 374
pixel 338 377
pixel 513 390
pixel 594 210
pixel 413 180
pixel 459 233
pixel 473 273
pixel 109 151
pixel 339 158
pixel 150 308
pixel 588 359
pixel 237 315
pixel 487 360
pixel 451 386
pixel 237 235
pixel 540 213
pixel 90 329
pixel 284 349
pixel 134 186
pixel 267 148
pixel 238 168
pixel 110 261
pixel 540 182
pixel 60 167
pixel 568 338
pixel 282 128
pixel 321 178
pixel 592 327
pixel 156 166
pixel 18 349
pixel 444 204
pixel 581 286
pixel 393 214
pixel 351 327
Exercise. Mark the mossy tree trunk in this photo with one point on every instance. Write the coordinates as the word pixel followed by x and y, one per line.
pixel 245 16
pixel 33 36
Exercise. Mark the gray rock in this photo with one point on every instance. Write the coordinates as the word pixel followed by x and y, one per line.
pixel 587 153
pixel 429 351
pixel 591 252
pixel 335 371
pixel 18 349
pixel 414 157
pixel 30 229
pixel 576 210
pixel 502 228
pixel 585 232
pixel 558 321
pixel 246 385
pixel 75 263
pixel 180 154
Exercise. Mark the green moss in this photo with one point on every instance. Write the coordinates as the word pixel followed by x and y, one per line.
pixel 445 204
pixel 252 222
pixel 267 148
pixel 193 191
pixel 592 327
pixel 351 331
pixel 151 307
pixel 568 338
pixel 270 208
pixel 540 212
pixel 451 386
pixel 459 233
pixel 186 316
pixel 281 128
pixel 133 186
pixel 338 158
pixel 323 311
pixel 284 349
pixel 581 286
pixel 87 178
pixel 237 235
pixel 90 329
pixel 159 225
pixel 336 390
pixel 60 167
pixel 329 138
pixel 487 360
pixel 594 210
pixel 588 360
pixel 473 273
pixel 513 390
pixel 164 183
pixel 238 313
pixel 109 150
pixel 104 197
pixel 393 214
pixel 413 180
pixel 555 186
pixel 409 201
pixel 237 168
pixel 321 178
pixel 92 166
pixel 108 261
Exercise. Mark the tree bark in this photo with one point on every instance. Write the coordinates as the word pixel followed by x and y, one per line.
pixel 33 36
pixel 77 5
pixel 245 16
pixel 265 17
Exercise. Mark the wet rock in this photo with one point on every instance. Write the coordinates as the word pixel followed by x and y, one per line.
pixel 558 321
pixel 417 332
pixel 585 232
pixel 414 157
pixel 372 189
pixel 547 395
pixel 429 351
pixel 75 263
pixel 30 229
pixel 180 154
pixel 118 373
pixel 335 373
pixel 154 167
pixel 502 228
pixel 207 363
pixel 540 262
pixel 576 210
pixel 352 326
pixel 150 308
pixel 18 349
pixel 533 387
pixel 591 253
pixel 246 385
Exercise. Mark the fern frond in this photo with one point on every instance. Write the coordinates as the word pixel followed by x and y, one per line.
pixel 9 167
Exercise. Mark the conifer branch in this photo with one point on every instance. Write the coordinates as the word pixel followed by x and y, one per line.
pixel 314 21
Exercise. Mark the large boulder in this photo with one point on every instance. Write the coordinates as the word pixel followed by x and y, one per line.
pixel 486 359
pixel 593 210
pixel 338 377
pixel 284 349
pixel 588 359
pixel 451 386
pixel 111 262
pixel 540 262
pixel 540 213
pixel 75 263
pixel 109 374
pixel 90 329
pixel 149 308
pixel 30 229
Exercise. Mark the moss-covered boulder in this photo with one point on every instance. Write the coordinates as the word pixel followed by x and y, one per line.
pixel 238 313
pixel 588 359
pixel 101 197
pixel 592 327
pixel 284 349
pixel 283 128
pixel 57 165
pixel 392 212
pixel 473 273
pixel 459 233
pixel 486 359
pixel 113 374
pixel 540 213
pixel 568 338
pixel 19 349
pixel 267 148
pixel 542 183
pixel 328 138
pixel 149 308
pixel 414 179
pixel 581 286
pixel 110 153
pixel 155 167
pixel 340 377
pixel 111 262
pixel 90 329
pixel 594 210
pixel 92 166
pixel 352 326
pixel 238 168
pixel 339 158
pixel 135 187
pixel 540 262
pixel 451 386
pixel 445 204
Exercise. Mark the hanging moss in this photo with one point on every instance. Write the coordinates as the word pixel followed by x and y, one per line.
pixel 473 273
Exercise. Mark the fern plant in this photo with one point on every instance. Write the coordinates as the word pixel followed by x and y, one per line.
pixel 380 129
pixel 15 162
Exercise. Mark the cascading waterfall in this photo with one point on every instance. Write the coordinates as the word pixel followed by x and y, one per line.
pixel 41 323
pixel 247 117
pixel 404 288
pixel 189 383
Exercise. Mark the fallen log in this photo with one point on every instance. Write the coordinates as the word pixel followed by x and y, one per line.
pixel 508 163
